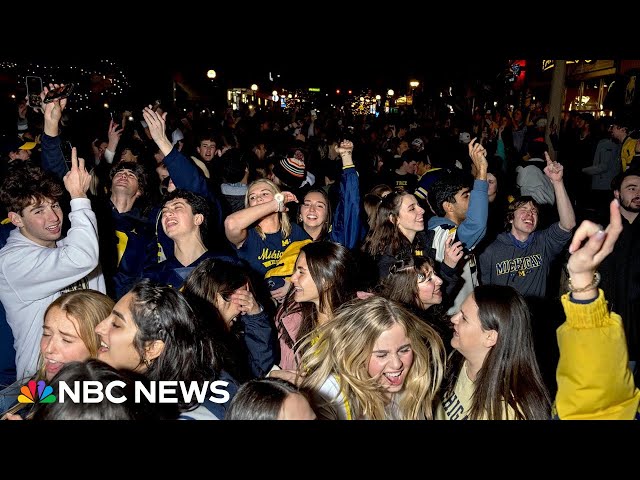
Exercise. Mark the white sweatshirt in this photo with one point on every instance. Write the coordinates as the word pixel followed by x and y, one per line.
pixel 33 276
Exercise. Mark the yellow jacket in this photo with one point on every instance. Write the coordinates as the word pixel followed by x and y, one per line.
pixel 594 381
pixel 627 152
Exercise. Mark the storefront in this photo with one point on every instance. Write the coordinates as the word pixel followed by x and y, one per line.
pixel 587 83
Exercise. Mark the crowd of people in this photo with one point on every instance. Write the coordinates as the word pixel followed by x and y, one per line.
pixel 321 265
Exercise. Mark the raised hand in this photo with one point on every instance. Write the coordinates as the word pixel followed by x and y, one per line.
pixel 553 170
pixel 114 133
pixel 453 252
pixel 478 156
pixel 585 258
pixel 289 197
pixel 345 148
pixel 157 124
pixel 77 180
pixel 245 300
pixel 279 293
pixel 52 111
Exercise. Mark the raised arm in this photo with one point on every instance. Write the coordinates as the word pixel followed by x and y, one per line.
pixel 236 225
pixel 474 226
pixel 346 221
pixel 52 157
pixel 75 257
pixel 114 133
pixel 594 381
pixel 554 171
pixel 182 171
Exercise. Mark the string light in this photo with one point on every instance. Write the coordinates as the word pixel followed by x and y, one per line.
pixel 95 86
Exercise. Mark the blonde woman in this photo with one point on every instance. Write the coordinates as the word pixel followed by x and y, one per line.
pixel 375 361
pixel 262 231
pixel 68 335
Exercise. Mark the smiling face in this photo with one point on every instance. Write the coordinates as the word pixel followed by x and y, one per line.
pixel 469 338
pixel 391 359
pixel 314 210
pixel 305 288
pixel 40 222
pixel 410 216
pixel 117 333
pixel 429 288
pixel 61 342
pixel 525 221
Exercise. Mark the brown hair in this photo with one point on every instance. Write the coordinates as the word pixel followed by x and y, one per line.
pixel 27 184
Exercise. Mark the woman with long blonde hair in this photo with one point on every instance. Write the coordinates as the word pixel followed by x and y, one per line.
pixel 375 360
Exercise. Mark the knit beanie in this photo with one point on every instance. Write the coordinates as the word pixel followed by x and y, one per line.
pixel 291 169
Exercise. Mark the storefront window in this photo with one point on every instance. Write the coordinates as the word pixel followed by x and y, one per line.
pixel 587 96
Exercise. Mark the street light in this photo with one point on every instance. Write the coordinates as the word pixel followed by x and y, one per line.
pixel 211 74
pixel 413 84
pixel 378 97
pixel 254 87
pixel 390 92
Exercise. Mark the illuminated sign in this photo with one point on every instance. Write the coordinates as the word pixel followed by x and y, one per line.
pixel 314 89
pixel 549 64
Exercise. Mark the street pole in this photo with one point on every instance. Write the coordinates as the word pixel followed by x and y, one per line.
pixel 555 102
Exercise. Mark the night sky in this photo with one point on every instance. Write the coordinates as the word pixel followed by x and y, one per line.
pixel 378 64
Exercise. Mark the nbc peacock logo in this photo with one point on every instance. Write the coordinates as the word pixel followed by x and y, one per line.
pixel 44 393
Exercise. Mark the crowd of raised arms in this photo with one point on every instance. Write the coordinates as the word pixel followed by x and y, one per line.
pixel 319 265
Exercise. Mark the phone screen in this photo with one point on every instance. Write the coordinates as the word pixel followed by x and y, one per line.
pixel 34 87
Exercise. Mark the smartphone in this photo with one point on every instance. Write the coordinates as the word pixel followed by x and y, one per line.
pixel 59 93
pixel 34 87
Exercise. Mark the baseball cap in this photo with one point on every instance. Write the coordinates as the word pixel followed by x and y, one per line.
pixel 15 144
